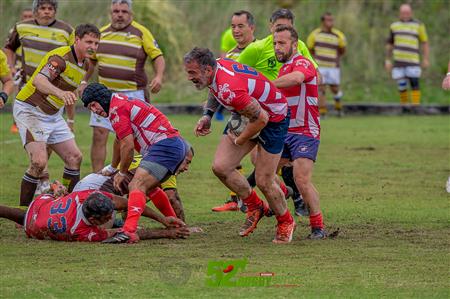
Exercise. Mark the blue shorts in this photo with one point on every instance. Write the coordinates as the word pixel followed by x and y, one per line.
pixel 300 146
pixel 169 152
pixel 271 136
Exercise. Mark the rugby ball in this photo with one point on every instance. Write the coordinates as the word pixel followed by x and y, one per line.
pixel 237 124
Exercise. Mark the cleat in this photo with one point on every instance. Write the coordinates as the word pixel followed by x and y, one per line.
pixel 285 231
pixel 252 220
pixel 122 237
pixel 317 234
pixel 301 209
pixel 229 206
pixel 14 129
pixel 290 192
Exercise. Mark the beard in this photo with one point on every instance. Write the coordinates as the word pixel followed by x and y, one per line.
pixel 284 57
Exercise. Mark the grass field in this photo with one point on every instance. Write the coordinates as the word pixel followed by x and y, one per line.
pixel 382 182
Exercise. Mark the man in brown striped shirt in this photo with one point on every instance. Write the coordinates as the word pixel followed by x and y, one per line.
pixel 36 37
pixel 123 50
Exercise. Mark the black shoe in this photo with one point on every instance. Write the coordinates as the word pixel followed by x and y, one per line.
pixel 121 237
pixel 317 234
pixel 300 207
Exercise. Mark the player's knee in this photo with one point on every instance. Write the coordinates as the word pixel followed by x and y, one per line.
pixel 302 181
pixel 220 170
pixel 37 166
pixel 74 159
pixel 265 182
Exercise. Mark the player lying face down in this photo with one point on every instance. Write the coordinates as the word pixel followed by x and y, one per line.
pixel 77 217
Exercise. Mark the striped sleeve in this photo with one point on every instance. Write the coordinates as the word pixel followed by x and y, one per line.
pixel 423 37
pixel 150 45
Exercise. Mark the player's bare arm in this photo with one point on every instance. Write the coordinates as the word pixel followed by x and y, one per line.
pixel 42 84
pixel 203 126
pixel 8 87
pixel 126 157
pixel 388 63
pixel 258 119
pixel 159 65
pixel 288 80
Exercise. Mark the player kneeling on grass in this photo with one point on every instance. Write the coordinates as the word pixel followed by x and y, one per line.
pixel 104 181
pixel 78 216
pixel 297 80
pixel 139 126
pixel 243 90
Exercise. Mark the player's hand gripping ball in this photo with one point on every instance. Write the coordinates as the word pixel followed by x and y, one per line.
pixel 237 124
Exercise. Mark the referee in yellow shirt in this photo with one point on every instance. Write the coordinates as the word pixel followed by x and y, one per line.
pixel 403 45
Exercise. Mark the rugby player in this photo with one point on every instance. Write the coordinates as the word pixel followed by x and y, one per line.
pixel 39 106
pixel 79 215
pixel 245 91
pixel 403 45
pixel 327 44
pixel 31 39
pixel 298 82
pixel 260 55
pixel 6 79
pixel 168 203
pixel 122 52
pixel 242 29
pixel 138 125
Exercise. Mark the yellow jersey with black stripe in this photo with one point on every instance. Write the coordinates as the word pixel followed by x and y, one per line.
pixel 63 70
pixel 37 40
pixel 4 68
pixel 121 56
pixel 326 46
pixel 406 37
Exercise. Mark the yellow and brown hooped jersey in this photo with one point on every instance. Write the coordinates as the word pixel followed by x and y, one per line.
pixel 326 45
pixel 63 70
pixel 121 56
pixel 4 68
pixel 36 41
pixel 406 38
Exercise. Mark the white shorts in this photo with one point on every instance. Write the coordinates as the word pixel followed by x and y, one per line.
pixel 103 122
pixel 330 75
pixel 50 129
pixel 406 72
pixel 92 181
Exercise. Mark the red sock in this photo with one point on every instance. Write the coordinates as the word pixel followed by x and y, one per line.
pixel 161 202
pixel 253 201
pixel 316 221
pixel 286 217
pixel 136 205
pixel 284 189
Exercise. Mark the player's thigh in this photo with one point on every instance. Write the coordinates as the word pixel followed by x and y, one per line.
pixel 266 165
pixel 68 151
pixel 145 179
pixel 37 152
pixel 228 155
pixel 99 136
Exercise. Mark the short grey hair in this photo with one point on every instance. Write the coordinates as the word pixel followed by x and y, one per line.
pixel 128 2
pixel 37 3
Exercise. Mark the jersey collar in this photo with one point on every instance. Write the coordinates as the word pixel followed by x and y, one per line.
pixel 292 59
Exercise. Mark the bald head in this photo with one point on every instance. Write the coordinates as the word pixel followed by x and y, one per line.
pixel 405 12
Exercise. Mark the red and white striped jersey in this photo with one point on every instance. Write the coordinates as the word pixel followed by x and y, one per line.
pixel 62 218
pixel 235 84
pixel 303 98
pixel 147 124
